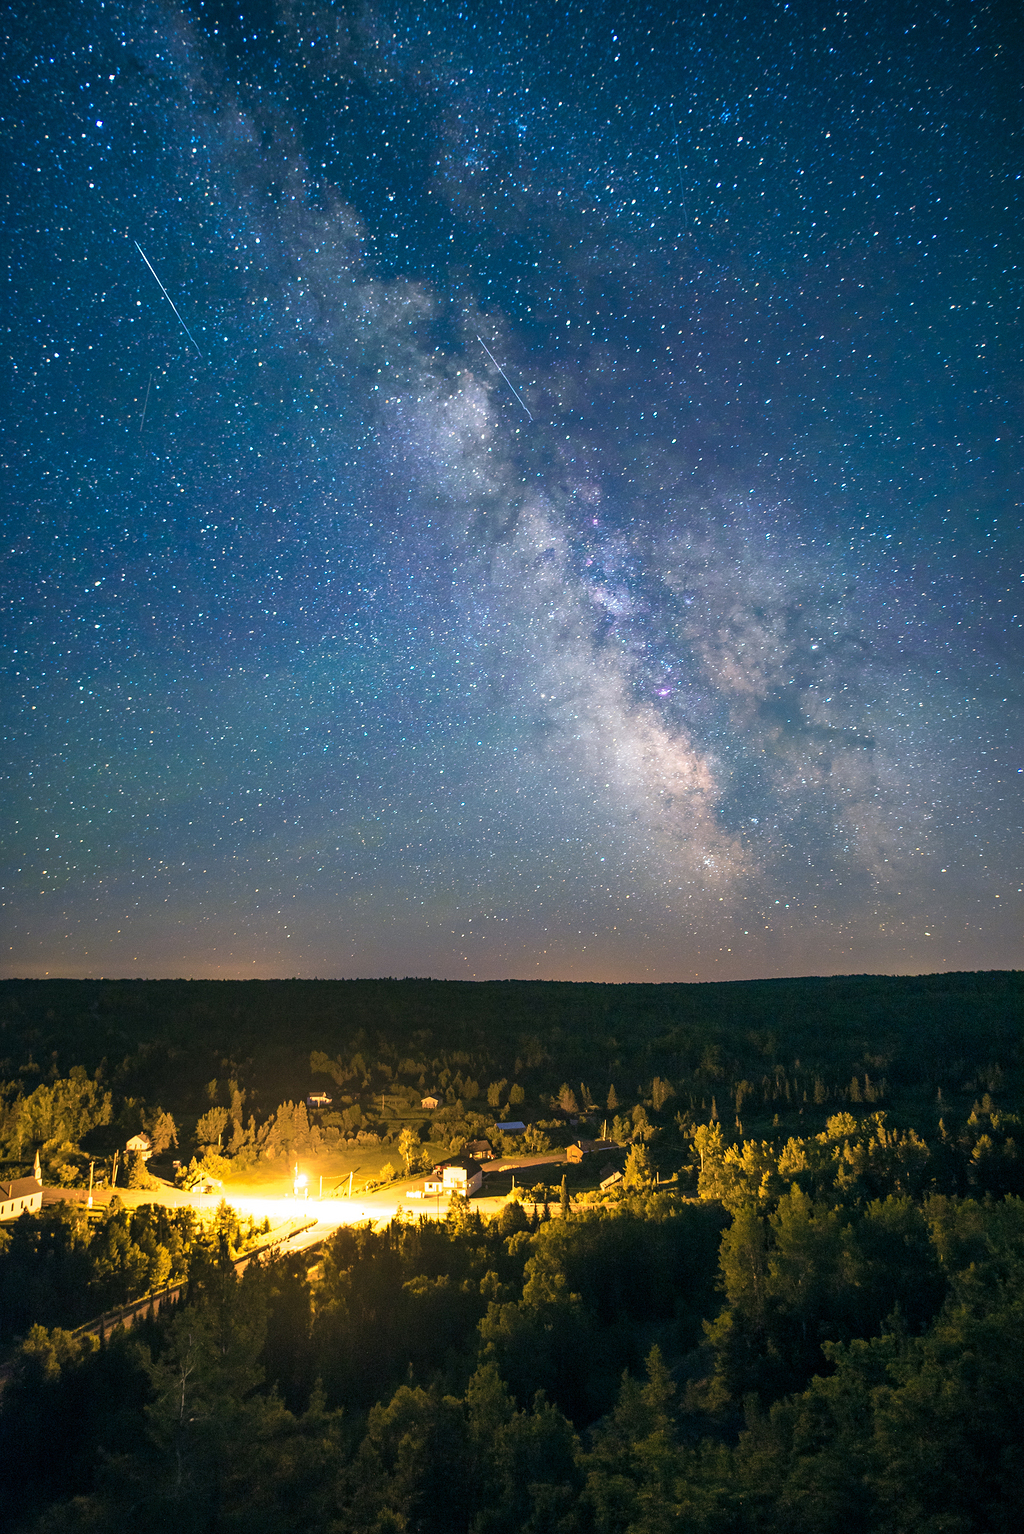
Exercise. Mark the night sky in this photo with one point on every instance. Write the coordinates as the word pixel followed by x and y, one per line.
pixel 680 641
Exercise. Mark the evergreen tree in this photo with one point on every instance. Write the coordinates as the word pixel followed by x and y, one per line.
pixel 662 1090
pixel 566 1099
pixel 638 1173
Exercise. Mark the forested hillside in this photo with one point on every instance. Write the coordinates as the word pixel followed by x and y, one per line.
pixel 756 1047
pixel 816 1325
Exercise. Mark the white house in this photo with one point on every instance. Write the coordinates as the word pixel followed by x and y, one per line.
pixel 24 1194
pixel 141 1143
pixel 460 1175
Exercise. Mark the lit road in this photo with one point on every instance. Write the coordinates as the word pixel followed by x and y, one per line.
pixel 378 1207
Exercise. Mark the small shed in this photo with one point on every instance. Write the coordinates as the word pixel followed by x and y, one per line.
pixel 610 1176
pixel 581 1148
pixel 22 1196
pixel 430 1101
pixel 318 1100
pixel 513 1127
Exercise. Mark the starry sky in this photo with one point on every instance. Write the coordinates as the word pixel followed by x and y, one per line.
pixel 518 490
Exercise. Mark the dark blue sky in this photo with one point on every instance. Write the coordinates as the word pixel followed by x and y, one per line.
pixel 689 648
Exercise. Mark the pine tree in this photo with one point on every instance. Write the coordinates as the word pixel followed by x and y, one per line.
pixel 567 1099
pixel 638 1172
pixel 661 1091
pixel 162 1131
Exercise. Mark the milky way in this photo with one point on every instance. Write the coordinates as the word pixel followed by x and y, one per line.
pixel 583 539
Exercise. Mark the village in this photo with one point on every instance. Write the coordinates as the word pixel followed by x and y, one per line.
pixel 297 1209
pixel 329 1196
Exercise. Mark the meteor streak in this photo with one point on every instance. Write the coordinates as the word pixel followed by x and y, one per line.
pixel 170 300
pixel 493 358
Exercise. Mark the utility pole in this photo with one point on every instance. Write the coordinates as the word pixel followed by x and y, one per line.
pixel 91 1165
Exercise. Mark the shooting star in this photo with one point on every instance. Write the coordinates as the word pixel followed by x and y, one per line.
pixel 679 165
pixel 168 297
pixel 146 405
pixel 501 370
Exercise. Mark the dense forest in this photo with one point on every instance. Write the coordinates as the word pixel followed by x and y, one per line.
pixel 802 1308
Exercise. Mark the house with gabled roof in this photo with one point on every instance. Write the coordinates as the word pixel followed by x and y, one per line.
pixel 459 1175
pixel 142 1144
pixel 580 1149
pixel 22 1196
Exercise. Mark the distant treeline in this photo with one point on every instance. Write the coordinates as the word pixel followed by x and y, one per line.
pixel 780 1041
pixel 221 1069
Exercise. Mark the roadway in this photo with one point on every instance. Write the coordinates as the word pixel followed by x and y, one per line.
pixel 378 1207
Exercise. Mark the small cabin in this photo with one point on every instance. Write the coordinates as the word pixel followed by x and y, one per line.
pixel 207 1185
pixel 580 1149
pixel 430 1101
pixel 22 1196
pixel 318 1100
pixel 480 1150
pixel 610 1176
